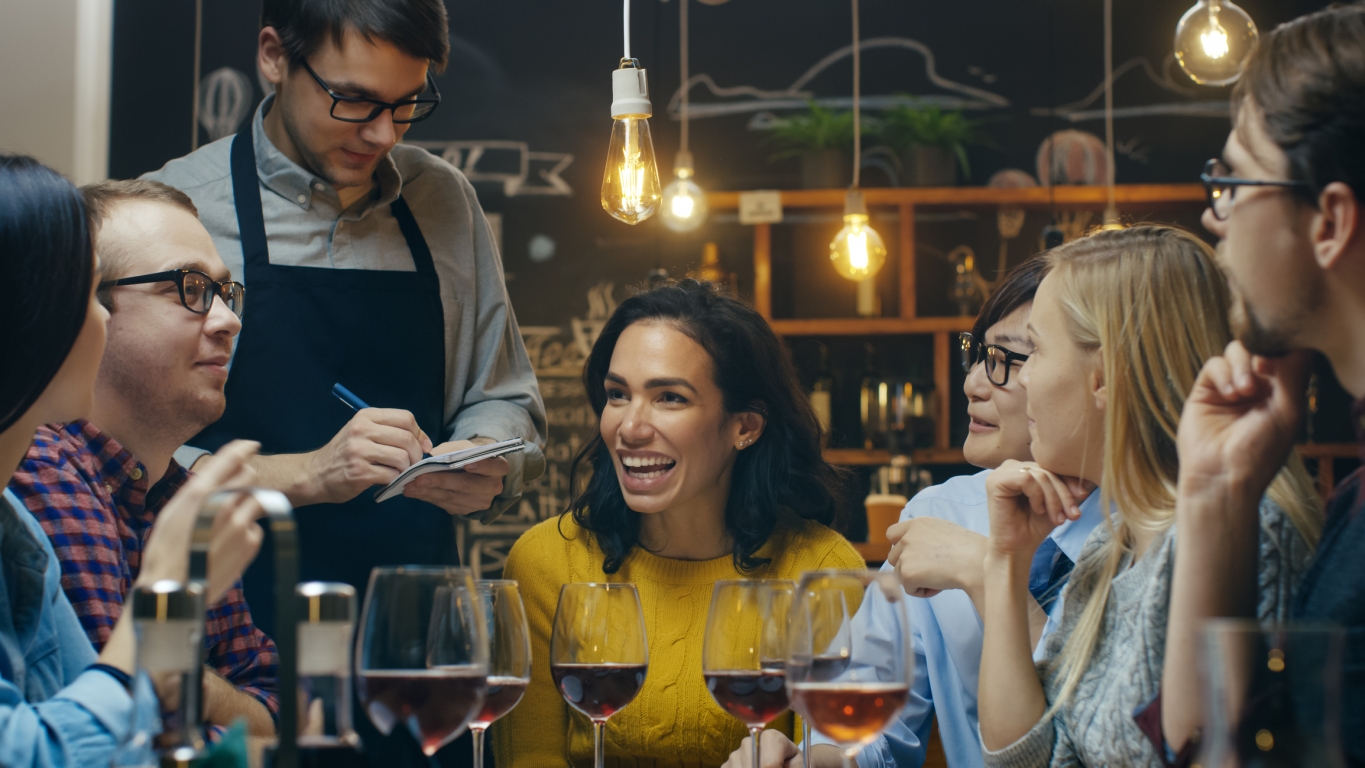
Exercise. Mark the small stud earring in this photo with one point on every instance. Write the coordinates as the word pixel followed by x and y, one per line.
pixel 745 444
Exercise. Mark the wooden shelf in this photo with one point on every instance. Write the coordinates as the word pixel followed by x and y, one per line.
pixel 869 326
pixel 858 457
pixel 1329 450
pixel 1064 195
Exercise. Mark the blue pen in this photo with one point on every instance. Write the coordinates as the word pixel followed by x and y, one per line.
pixel 348 397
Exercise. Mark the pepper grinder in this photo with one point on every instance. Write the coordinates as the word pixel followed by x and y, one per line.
pixel 326 620
pixel 168 618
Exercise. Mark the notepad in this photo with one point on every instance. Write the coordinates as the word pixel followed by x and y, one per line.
pixel 448 462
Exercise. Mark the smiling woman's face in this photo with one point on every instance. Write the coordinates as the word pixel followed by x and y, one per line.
pixel 671 440
pixel 1065 399
pixel 999 415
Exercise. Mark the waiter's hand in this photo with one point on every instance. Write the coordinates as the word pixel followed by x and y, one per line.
pixel 465 492
pixel 372 449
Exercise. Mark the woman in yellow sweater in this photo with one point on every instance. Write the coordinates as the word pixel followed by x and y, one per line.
pixel 707 466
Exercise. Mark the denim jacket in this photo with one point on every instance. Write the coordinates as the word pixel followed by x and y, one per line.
pixel 54 711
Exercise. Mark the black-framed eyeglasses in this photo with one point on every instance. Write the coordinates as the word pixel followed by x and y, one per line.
pixel 196 289
pixel 997 359
pixel 358 109
pixel 1221 187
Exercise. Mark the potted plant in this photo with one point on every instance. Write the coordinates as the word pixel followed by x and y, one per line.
pixel 932 142
pixel 823 139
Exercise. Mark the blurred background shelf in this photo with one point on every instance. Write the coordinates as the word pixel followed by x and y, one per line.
pixel 857 457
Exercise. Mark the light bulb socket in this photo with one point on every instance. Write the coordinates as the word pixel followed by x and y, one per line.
pixel 854 204
pixel 682 165
pixel 630 91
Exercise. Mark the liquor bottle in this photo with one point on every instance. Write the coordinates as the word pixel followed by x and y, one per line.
pixel 822 397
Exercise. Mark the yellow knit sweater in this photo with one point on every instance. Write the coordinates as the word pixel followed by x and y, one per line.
pixel 674 722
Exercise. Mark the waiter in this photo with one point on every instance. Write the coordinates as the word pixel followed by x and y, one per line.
pixel 370 264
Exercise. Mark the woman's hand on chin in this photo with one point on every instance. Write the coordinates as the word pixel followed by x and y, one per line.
pixel 1026 502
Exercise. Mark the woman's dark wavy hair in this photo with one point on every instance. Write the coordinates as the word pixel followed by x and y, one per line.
pixel 48 266
pixel 779 480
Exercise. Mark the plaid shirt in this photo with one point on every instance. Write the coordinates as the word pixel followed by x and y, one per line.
pixel 92 498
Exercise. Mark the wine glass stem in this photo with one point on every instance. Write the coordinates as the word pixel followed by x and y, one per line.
pixel 805 743
pixel 754 733
pixel 477 734
pixel 598 744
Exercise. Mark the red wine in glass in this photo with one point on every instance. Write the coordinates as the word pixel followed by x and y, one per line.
pixel 599 690
pixel 504 693
pixel 434 704
pixel 754 698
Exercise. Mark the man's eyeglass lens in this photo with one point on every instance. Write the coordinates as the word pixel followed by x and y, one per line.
pixel 365 111
pixel 197 292
pixel 1220 195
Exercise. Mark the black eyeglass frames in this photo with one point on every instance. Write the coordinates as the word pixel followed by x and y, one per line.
pixel 997 359
pixel 196 289
pixel 358 109
pixel 1221 187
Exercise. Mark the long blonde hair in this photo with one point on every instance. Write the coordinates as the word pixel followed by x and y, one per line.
pixel 1153 303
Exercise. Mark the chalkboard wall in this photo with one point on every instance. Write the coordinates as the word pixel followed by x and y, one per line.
pixel 530 82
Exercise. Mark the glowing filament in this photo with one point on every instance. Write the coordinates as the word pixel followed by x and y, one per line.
pixel 683 206
pixel 1215 40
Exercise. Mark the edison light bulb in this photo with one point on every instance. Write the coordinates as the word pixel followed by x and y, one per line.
pixel 684 206
pixel 630 185
pixel 857 251
pixel 1213 41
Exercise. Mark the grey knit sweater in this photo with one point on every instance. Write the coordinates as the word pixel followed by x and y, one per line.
pixel 1096 727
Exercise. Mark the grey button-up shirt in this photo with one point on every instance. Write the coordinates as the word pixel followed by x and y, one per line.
pixel 490 386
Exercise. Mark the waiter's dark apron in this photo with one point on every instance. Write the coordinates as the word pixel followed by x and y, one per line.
pixel 381 334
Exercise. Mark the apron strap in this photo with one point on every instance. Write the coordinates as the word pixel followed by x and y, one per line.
pixel 246 194
pixel 417 244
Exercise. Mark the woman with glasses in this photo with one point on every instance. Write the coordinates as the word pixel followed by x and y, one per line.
pixel 61 704
pixel 939 544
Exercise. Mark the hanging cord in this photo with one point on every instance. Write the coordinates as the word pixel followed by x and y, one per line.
pixel 198 49
pixel 857 105
pixel 626 14
pixel 682 56
pixel 1109 99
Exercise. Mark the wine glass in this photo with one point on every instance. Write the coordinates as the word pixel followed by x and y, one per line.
pixel 849 671
pixel 1272 695
pixel 598 652
pixel 422 652
pixel 744 653
pixel 509 649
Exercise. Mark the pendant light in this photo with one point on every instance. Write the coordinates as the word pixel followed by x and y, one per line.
pixel 857 251
pixel 1213 41
pixel 630 185
pixel 1111 211
pixel 684 202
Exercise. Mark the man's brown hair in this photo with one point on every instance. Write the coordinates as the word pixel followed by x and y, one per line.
pixel 101 199
pixel 1306 80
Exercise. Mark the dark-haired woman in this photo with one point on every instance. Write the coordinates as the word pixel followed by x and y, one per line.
pixel 707 466
pixel 60 703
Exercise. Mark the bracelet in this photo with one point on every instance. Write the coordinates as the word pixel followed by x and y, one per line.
pixel 125 679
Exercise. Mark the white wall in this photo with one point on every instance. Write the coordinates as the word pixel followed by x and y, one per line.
pixel 55 58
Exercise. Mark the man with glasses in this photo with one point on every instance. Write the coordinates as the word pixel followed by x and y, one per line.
pixel 371 265
pixel 97 486
pixel 1285 201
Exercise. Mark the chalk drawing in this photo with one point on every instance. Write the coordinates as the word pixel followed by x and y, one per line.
pixel 224 101
pixel 1077 111
pixel 467 156
pixel 796 97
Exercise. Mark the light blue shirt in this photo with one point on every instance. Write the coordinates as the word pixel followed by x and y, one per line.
pixel 53 712
pixel 946 632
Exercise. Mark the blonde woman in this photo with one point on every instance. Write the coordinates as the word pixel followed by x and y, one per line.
pixel 1123 322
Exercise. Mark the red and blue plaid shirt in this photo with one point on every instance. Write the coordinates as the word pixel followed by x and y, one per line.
pixel 92 498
